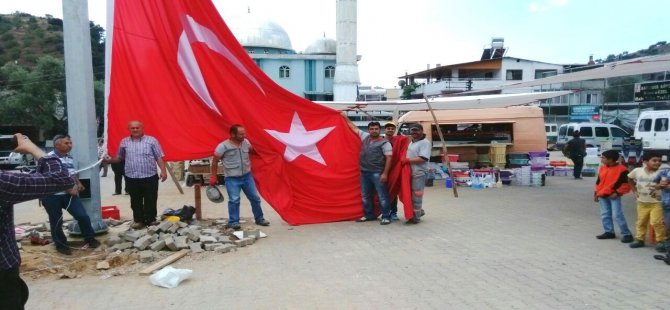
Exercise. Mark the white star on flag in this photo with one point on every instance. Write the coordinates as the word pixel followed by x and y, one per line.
pixel 300 141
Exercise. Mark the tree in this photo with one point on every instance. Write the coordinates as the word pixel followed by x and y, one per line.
pixel 408 90
pixel 31 97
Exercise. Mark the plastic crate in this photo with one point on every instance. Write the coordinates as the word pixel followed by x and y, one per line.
pixel 518 161
pixel 111 212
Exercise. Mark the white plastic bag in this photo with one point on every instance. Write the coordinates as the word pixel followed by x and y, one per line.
pixel 170 277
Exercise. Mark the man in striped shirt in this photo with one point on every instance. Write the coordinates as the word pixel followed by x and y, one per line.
pixel 68 200
pixel 141 154
pixel 50 177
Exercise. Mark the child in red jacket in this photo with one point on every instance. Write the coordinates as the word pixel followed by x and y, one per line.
pixel 612 183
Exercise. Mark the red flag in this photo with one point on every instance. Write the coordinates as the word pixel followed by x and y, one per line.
pixel 176 66
pixel 400 176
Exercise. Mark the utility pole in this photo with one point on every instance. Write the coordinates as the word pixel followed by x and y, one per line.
pixel 81 106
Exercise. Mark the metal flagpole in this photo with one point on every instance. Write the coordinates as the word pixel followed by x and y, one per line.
pixel 81 106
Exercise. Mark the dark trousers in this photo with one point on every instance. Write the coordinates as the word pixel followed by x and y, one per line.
pixel 143 197
pixel 13 291
pixel 118 177
pixel 54 206
pixel 579 164
pixel 394 206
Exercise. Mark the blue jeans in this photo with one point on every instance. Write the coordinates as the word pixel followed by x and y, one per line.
pixel 370 182
pixel 242 183
pixel 54 206
pixel 666 215
pixel 607 206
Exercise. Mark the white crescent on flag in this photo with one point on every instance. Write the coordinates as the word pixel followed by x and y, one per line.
pixel 193 33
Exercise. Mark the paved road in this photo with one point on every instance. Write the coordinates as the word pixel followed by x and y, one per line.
pixel 510 248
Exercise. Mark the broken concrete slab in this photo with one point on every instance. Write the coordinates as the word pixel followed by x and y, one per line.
pixel 152 230
pixel 240 243
pixel 209 231
pixel 182 224
pixel 212 246
pixel 225 248
pixel 207 239
pixel 113 240
pixel 103 265
pixel 169 242
pixel 132 235
pixel 143 242
pixel 180 242
pixel 196 247
pixel 164 226
pixel 146 256
pixel 122 246
pixel 157 246
pixel 193 235
pixel 173 229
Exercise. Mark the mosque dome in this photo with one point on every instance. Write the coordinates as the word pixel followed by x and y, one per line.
pixel 323 46
pixel 254 32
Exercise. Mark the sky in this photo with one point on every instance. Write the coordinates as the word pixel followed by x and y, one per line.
pixel 395 37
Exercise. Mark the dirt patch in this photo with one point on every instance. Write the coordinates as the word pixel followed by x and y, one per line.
pixel 44 262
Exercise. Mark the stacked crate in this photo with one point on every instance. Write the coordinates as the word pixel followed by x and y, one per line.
pixel 497 155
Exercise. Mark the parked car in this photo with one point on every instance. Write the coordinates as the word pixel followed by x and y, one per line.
pixel 595 134
pixel 11 160
pixel 652 127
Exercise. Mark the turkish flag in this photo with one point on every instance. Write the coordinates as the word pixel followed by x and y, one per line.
pixel 176 67
pixel 400 176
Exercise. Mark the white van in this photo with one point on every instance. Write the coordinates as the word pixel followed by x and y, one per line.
pixel 652 128
pixel 595 134
pixel 551 129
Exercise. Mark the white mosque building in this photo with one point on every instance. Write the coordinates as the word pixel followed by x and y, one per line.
pixel 310 73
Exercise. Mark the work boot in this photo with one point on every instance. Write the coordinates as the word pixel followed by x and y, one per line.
pixel 233 226
pixel 662 246
pixel 627 239
pixel 64 250
pixel 92 243
pixel 263 222
pixel 606 235
pixel 137 225
pixel 636 244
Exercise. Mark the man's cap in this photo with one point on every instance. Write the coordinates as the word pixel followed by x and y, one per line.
pixel 389 124
pixel 415 126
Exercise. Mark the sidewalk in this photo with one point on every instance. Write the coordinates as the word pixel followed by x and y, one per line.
pixel 510 248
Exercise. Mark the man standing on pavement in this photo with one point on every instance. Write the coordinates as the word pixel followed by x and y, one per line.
pixel 141 154
pixel 50 177
pixel 389 134
pixel 68 200
pixel 575 149
pixel 375 163
pixel 234 153
pixel 418 154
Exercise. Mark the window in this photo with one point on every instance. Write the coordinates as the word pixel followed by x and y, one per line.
pixel 545 73
pixel 661 124
pixel 562 130
pixel 514 75
pixel 571 131
pixel 330 72
pixel 284 72
pixel 618 133
pixel 645 125
pixel 547 128
pixel 602 132
pixel 586 132
pixel 588 98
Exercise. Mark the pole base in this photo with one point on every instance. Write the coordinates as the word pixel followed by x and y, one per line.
pixel 99 227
